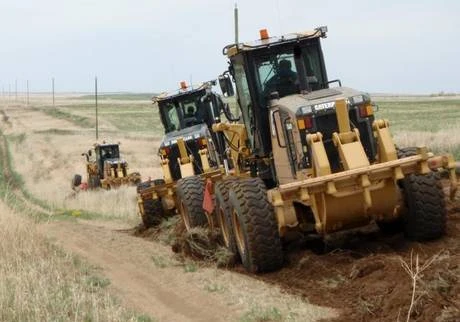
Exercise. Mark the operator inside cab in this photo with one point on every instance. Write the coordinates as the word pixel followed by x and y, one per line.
pixel 285 81
pixel 284 72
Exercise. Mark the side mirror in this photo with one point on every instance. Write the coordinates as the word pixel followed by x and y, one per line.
pixel 226 85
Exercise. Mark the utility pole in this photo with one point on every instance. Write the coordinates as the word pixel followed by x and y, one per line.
pixel 27 85
pixel 16 90
pixel 95 98
pixel 52 87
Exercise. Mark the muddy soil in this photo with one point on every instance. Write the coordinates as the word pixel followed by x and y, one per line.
pixel 364 277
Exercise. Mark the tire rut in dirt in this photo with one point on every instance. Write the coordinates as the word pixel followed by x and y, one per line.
pixel 190 193
pixel 255 226
pixel 426 217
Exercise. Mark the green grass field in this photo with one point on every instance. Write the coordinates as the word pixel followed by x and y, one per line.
pixel 423 121
pixel 428 116
pixel 434 122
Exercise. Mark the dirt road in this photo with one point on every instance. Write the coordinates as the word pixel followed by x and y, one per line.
pixel 127 262
pixel 145 276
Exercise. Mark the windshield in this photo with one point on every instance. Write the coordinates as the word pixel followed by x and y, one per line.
pixel 191 110
pixel 110 152
pixel 183 111
pixel 244 97
pixel 285 72
pixel 170 117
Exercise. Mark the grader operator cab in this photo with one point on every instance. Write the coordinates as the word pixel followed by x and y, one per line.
pixel 106 169
pixel 188 147
pixel 315 159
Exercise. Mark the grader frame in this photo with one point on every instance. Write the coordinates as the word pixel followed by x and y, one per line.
pixel 194 148
pixel 288 178
pixel 108 171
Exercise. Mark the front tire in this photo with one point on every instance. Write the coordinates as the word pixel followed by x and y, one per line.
pixel 190 194
pixel 94 182
pixel 255 226
pixel 152 212
pixel 397 225
pixel 76 181
pixel 426 217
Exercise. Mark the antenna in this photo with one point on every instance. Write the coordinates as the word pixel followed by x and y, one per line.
pixel 95 99
pixel 52 85
pixel 236 23
pixel 27 85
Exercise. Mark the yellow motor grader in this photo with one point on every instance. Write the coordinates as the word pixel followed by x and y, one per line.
pixel 106 169
pixel 311 158
pixel 188 148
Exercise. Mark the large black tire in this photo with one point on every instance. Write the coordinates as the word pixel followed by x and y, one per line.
pixel 142 186
pixel 76 181
pixel 426 214
pixel 224 213
pixel 255 226
pixel 406 152
pixel 158 182
pixel 153 212
pixel 190 193
pixel 94 182
pixel 397 225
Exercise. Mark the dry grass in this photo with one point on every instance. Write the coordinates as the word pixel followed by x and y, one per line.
pixel 415 270
pixel 39 282
pixel 118 203
pixel 447 140
pixel 47 162
pixel 433 122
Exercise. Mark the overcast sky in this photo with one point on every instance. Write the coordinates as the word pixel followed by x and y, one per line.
pixel 410 46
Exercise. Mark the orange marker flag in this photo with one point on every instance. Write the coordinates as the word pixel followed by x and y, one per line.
pixel 208 203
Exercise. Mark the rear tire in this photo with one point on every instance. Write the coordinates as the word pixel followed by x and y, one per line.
pixel 190 193
pixel 426 216
pixel 76 181
pixel 224 214
pixel 255 226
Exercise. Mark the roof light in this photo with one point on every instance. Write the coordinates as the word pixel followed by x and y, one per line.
pixel 263 34
pixel 323 30
pixel 183 85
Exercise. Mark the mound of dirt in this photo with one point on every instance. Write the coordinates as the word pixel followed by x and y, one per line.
pixel 365 277
pixel 361 273
pixel 202 244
